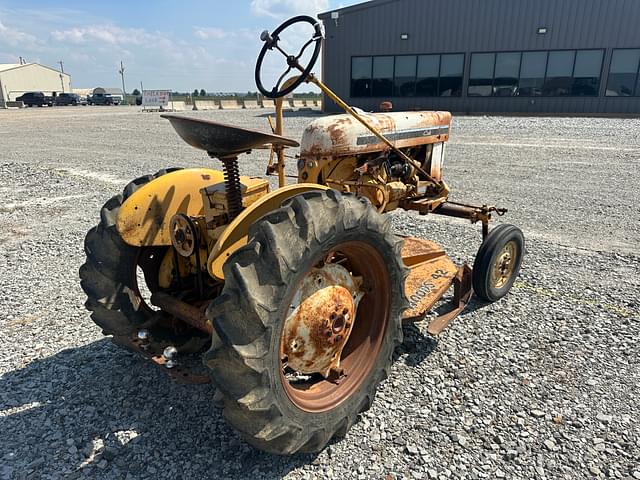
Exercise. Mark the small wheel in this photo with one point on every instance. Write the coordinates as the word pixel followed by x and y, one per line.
pixel 307 322
pixel 271 42
pixel 497 263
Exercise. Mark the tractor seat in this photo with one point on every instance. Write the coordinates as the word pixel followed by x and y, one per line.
pixel 221 140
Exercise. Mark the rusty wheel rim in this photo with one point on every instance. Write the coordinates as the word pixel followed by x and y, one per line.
pixel 504 265
pixel 361 350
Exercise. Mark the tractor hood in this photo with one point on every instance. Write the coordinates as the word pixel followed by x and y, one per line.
pixel 344 135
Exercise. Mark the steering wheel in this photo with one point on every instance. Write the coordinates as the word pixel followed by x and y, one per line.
pixel 271 42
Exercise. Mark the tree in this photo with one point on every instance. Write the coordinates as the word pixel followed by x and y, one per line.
pixel 203 93
pixel 135 92
pixel 195 92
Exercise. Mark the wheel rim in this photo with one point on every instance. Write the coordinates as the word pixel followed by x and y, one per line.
pixel 504 265
pixel 361 351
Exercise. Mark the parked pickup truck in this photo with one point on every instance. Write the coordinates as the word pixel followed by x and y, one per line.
pixel 67 99
pixel 102 99
pixel 38 99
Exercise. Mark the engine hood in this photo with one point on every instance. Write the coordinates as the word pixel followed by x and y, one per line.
pixel 344 135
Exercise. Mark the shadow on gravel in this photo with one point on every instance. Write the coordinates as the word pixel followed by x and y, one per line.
pixel 295 114
pixel 99 411
pixel 418 346
pixel 474 304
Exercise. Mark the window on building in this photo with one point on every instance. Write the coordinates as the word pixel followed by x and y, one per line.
pixel 382 76
pixel 623 73
pixel 586 73
pixel 428 74
pixel 451 70
pixel 558 81
pixel 405 76
pixel 481 75
pixel 361 77
pixel 507 73
pixel 532 72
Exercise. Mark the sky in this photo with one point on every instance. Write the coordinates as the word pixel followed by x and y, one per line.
pixel 180 46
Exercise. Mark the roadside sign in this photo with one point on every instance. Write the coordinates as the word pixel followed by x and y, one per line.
pixel 155 98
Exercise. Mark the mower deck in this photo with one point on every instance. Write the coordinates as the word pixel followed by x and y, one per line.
pixel 432 274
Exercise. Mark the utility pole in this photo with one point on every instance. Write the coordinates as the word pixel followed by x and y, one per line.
pixel 124 92
pixel 61 74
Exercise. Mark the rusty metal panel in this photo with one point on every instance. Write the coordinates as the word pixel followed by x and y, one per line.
pixel 344 135
pixel 432 273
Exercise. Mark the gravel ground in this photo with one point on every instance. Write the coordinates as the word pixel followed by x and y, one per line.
pixel 542 384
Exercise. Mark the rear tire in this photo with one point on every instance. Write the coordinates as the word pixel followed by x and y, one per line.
pixel 498 262
pixel 109 275
pixel 260 280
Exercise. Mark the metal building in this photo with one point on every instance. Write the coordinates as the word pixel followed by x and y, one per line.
pixel 16 79
pixel 494 56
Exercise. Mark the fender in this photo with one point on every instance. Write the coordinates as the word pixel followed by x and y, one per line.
pixel 236 234
pixel 144 217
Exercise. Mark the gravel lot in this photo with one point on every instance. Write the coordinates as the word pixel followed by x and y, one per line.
pixel 543 384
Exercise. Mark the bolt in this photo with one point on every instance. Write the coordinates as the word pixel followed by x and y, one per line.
pixel 170 353
pixel 171 363
pixel 143 334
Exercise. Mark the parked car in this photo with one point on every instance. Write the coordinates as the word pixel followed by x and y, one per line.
pixel 38 99
pixel 67 99
pixel 101 99
pixel 117 99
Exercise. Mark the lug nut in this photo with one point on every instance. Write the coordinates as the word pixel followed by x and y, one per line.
pixel 143 334
pixel 171 363
pixel 170 353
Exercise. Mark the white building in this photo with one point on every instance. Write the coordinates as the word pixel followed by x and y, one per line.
pixel 16 79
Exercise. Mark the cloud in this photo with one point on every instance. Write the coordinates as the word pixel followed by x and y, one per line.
pixel 216 33
pixel 287 8
pixel 108 34
pixel 206 33
pixel 14 38
pixel 217 57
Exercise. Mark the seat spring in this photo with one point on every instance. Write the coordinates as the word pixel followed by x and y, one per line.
pixel 232 186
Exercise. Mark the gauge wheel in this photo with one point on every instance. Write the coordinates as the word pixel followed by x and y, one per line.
pixel 497 263
pixel 308 321
pixel 113 270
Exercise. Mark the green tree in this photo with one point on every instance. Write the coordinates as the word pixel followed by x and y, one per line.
pixel 195 92
pixel 203 93
pixel 135 92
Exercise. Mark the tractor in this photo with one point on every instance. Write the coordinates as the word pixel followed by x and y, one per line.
pixel 294 298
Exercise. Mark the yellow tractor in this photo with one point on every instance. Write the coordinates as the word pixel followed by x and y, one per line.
pixel 295 297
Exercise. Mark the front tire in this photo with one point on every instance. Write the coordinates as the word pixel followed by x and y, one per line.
pixel 261 278
pixel 498 262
